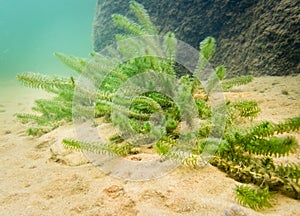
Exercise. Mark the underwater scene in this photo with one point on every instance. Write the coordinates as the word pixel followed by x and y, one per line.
pixel 136 107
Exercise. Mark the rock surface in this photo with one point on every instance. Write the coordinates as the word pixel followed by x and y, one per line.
pixel 259 37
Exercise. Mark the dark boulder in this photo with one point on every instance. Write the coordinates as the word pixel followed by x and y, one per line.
pixel 259 37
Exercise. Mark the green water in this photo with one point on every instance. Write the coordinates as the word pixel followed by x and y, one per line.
pixel 31 30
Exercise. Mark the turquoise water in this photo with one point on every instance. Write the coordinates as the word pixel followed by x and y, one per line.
pixel 31 30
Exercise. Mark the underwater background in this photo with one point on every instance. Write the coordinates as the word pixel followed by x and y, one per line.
pixel 31 30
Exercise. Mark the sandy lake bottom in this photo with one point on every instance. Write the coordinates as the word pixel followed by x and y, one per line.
pixel 37 181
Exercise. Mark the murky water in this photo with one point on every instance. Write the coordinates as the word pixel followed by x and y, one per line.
pixel 31 30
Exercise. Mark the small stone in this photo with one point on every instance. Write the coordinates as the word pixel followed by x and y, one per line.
pixel 234 211
pixel 135 150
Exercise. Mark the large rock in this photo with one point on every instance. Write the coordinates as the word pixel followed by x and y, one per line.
pixel 256 37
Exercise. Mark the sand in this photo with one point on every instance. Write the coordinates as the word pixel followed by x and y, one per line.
pixel 39 177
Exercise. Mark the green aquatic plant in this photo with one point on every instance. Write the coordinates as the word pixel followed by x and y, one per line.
pixel 237 81
pixel 111 148
pixel 51 112
pixel 247 156
pixel 255 198
pixel 244 152
pixel 284 92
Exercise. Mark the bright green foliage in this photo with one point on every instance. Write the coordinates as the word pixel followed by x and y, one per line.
pixel 207 47
pixel 237 81
pixel 221 72
pixel 77 64
pixel 170 43
pixel 254 198
pixel 277 146
pixel 290 176
pixel 245 153
pixel 163 146
pixel 147 104
pixel 239 111
pixel 144 27
pixel 113 149
pixel 203 109
pixel 266 128
pixel 143 17
pixel 247 108
pixel 128 25
pixel 116 139
pixel 52 85
pixel 52 112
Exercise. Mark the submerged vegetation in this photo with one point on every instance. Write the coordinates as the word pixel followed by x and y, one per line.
pixel 245 150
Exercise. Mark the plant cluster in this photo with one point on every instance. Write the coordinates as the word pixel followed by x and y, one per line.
pixel 245 153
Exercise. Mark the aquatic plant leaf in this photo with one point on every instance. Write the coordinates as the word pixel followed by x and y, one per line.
pixel 128 25
pixel 221 72
pixel 227 84
pixel 143 17
pixel 112 149
pixel 254 198
pixel 207 47
pixel 50 84
pixel 76 63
